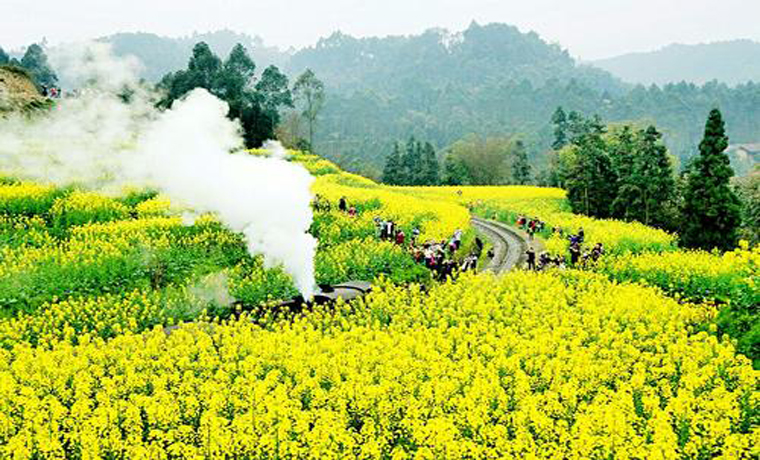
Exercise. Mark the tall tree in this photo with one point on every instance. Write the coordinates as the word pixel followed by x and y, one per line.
pixel 411 163
pixel 653 171
pixel 712 211
pixel 256 106
pixel 521 170
pixel 392 171
pixel 274 91
pixel 559 120
pixel 311 92
pixel 622 145
pixel 431 169
pixel 590 179
pixel 204 68
pixel 4 58
pixel 35 61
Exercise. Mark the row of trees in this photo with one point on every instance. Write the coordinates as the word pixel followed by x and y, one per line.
pixel 627 173
pixel 414 164
pixel 256 101
pixel 473 160
pixel 35 61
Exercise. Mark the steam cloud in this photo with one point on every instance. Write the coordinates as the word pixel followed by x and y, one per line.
pixel 102 142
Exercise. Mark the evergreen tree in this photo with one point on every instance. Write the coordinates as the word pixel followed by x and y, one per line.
pixel 4 58
pixel 590 179
pixel 521 170
pixel 622 155
pixel 36 62
pixel 431 173
pixel 559 119
pixel 412 164
pixel 653 175
pixel 711 210
pixel 392 170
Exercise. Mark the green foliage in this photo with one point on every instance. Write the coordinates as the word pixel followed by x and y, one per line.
pixel 392 173
pixel 520 167
pixel 255 104
pixel 748 190
pixel 477 160
pixel 309 91
pixel 646 182
pixel 712 211
pixel 35 61
pixel 590 178
pixel 418 165
pixel 4 58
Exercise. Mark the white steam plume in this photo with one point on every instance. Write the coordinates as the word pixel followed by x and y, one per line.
pixel 99 140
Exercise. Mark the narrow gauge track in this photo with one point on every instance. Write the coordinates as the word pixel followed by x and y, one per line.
pixel 509 247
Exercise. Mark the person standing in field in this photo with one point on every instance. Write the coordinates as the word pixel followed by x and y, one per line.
pixel 342 204
pixel 531 258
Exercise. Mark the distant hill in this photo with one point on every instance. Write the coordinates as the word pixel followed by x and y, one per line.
pixel 480 55
pixel 161 55
pixel 730 62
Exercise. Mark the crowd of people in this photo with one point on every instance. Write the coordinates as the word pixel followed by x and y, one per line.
pixel 580 255
pixel 442 257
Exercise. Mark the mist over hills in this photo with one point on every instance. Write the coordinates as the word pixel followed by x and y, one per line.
pixel 731 62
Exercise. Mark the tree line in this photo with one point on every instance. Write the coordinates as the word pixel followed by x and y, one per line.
pixel 255 101
pixel 625 172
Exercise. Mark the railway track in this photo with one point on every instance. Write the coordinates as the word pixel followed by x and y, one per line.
pixel 509 245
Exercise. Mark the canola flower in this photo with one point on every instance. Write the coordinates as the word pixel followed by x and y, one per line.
pixel 525 366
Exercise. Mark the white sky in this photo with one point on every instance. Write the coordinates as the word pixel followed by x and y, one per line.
pixel 590 29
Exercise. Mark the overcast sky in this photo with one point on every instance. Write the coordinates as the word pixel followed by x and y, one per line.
pixel 590 29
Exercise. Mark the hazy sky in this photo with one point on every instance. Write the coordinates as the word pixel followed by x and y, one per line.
pixel 590 29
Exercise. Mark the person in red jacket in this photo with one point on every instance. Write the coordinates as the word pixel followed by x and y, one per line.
pixel 400 238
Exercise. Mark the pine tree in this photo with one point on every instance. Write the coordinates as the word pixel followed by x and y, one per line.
pixel 431 168
pixel 392 170
pixel 520 167
pixel 4 58
pixel 559 119
pixel 712 211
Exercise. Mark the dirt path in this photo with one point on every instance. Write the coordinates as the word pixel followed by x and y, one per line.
pixel 509 244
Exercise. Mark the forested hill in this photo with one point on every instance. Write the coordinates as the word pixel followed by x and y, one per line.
pixel 492 80
pixel 441 86
pixel 478 56
pixel 730 62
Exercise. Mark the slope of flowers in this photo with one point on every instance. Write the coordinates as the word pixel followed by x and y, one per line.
pixel 506 203
pixel 526 366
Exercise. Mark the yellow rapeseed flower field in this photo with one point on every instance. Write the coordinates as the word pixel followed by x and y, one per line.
pixel 640 356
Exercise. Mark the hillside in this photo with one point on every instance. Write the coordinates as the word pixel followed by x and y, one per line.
pixel 730 62
pixel 441 86
pixel 17 91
